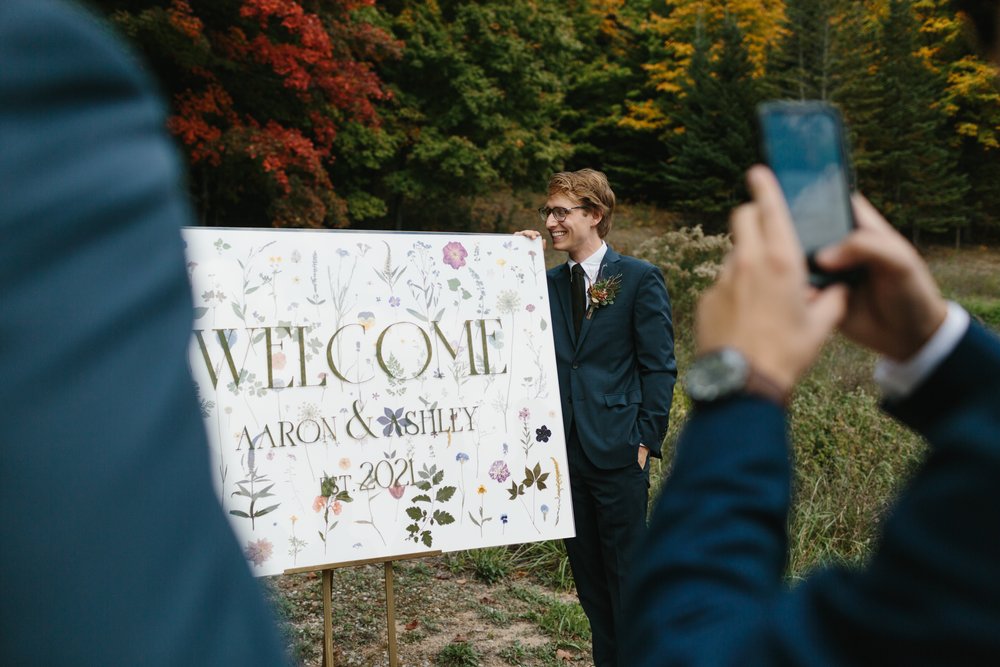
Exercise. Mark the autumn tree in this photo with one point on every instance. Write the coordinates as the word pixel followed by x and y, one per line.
pixel 260 90
pixel 681 22
pixel 970 98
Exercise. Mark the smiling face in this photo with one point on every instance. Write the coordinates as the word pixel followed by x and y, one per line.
pixel 577 234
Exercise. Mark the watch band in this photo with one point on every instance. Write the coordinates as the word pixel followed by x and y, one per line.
pixel 761 385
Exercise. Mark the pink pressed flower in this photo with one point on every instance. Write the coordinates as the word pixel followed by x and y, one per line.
pixel 455 254
pixel 524 415
pixel 530 308
pixel 258 552
pixel 319 503
pixel 338 507
pixel 396 491
pixel 278 361
pixel 344 463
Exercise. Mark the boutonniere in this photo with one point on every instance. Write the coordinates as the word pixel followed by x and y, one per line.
pixel 603 293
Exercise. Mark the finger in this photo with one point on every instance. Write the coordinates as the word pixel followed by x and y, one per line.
pixel 744 223
pixel 867 216
pixel 775 220
pixel 865 246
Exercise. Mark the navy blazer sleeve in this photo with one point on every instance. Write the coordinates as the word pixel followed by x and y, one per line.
pixel 654 346
pixel 710 589
pixel 113 548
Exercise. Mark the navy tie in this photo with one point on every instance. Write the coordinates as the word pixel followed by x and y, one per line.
pixel 579 288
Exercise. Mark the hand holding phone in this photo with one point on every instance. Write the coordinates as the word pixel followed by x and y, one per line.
pixel 803 144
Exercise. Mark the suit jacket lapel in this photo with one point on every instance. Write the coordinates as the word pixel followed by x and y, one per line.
pixel 607 269
pixel 561 279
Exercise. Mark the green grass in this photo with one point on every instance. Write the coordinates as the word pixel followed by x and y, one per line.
pixel 985 309
pixel 547 562
pixel 458 654
pixel 515 654
pixel 564 621
pixel 489 564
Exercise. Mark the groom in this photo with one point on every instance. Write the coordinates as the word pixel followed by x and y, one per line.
pixel 615 359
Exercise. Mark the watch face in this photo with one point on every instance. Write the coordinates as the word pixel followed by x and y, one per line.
pixel 716 375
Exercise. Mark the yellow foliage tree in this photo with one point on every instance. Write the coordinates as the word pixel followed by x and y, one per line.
pixel 760 21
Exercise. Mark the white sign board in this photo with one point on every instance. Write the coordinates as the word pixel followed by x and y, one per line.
pixel 377 394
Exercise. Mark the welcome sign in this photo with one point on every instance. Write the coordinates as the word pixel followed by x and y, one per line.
pixel 376 394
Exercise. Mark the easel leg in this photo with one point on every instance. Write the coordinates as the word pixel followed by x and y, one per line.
pixel 390 615
pixel 327 618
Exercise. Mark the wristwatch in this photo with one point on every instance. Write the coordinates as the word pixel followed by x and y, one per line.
pixel 725 372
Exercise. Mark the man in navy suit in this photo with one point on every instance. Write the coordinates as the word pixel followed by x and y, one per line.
pixel 709 588
pixel 113 548
pixel 614 355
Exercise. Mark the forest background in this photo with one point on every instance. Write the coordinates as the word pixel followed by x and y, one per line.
pixel 443 115
pixel 451 114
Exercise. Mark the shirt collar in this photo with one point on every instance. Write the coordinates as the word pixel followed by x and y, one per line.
pixel 591 265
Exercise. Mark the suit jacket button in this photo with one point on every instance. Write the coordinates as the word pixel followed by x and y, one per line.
pixel 575 365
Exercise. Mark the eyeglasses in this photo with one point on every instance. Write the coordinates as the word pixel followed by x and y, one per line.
pixel 558 212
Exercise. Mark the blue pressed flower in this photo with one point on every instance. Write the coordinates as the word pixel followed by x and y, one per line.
pixel 461 457
pixel 503 518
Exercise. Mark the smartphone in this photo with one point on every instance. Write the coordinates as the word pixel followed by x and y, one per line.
pixel 803 143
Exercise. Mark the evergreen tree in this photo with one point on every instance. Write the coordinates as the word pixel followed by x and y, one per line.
pixel 480 89
pixel 601 89
pixel 905 162
pixel 704 171
pixel 803 66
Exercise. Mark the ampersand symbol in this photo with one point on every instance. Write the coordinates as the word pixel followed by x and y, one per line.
pixel 357 417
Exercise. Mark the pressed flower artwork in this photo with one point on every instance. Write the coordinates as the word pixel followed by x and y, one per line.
pixel 375 394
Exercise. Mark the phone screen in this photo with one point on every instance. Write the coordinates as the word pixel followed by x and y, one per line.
pixel 804 146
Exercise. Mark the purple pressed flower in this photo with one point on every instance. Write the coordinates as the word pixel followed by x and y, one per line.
pixel 394 301
pixel 499 471
pixel 524 415
pixel 455 254
pixel 542 434
pixel 393 421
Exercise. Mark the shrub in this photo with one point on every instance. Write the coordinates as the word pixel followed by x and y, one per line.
pixel 690 262
pixel 850 461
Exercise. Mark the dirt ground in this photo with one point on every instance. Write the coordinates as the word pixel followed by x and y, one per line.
pixel 514 622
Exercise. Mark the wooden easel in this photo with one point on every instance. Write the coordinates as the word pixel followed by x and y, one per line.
pixel 390 600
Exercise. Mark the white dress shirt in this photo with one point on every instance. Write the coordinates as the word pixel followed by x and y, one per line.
pixel 899 379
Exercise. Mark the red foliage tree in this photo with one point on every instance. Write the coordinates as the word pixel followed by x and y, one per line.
pixel 260 88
